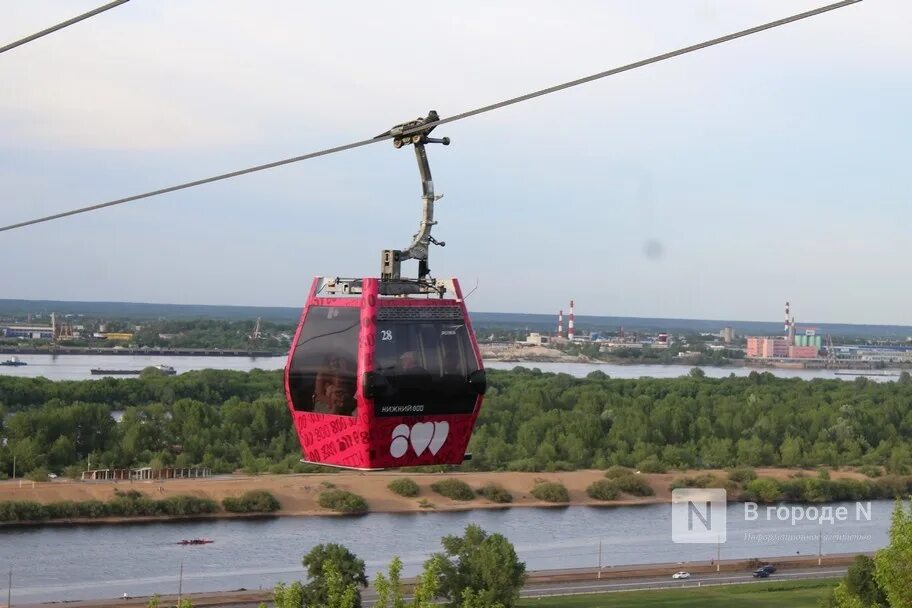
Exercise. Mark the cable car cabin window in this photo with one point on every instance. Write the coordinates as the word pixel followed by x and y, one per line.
pixel 427 365
pixel 324 365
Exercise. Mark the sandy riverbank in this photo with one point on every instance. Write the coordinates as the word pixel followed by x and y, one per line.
pixel 298 493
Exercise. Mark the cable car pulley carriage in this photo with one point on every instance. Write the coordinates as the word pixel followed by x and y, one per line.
pixel 386 372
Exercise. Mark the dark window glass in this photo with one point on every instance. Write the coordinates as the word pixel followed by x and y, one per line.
pixel 427 364
pixel 324 365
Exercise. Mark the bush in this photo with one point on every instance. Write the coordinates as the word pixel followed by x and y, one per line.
pixel 742 475
pixel 618 471
pixel 22 510
pixel 603 489
pixel 870 471
pixel 762 489
pixel 495 493
pixel 342 501
pixel 652 465
pixel 253 501
pixel 550 491
pixel 39 474
pixel 454 489
pixel 700 481
pixel 892 486
pixel 185 505
pixel 634 485
pixel 124 504
pixel 404 487
pixel 823 473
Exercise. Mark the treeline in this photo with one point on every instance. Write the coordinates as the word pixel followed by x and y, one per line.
pixel 219 419
pixel 209 386
pixel 531 421
pixel 536 421
pixel 124 504
pixel 133 503
pixel 210 333
pixel 825 490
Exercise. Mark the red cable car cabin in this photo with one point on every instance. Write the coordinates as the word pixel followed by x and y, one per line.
pixel 378 381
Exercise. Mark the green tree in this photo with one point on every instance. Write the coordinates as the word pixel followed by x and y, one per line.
pixel 473 599
pixel 791 452
pixel 858 589
pixel 893 564
pixel 427 588
pixel 861 583
pixel 485 564
pixel 346 564
pixel 340 593
pixel 288 596
pixel 389 587
pixel 762 489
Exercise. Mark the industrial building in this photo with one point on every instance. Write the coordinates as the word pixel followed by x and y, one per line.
pixel 875 354
pixel 54 332
pixel 788 346
pixel 28 332
pixel 535 339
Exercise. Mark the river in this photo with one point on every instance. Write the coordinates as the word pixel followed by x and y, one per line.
pixel 77 367
pixel 97 561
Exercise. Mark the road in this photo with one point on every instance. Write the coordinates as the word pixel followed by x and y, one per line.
pixel 251 599
pixel 666 582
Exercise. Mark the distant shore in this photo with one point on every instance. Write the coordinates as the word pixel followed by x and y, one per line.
pixel 144 351
pixel 298 493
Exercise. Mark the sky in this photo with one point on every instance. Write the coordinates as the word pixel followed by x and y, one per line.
pixel 715 185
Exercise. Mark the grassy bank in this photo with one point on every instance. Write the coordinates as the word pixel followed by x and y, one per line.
pixel 794 594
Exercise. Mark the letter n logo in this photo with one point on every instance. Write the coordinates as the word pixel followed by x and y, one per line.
pixel 698 515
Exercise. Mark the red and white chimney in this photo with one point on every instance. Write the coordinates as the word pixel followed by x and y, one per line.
pixel 560 324
pixel 570 323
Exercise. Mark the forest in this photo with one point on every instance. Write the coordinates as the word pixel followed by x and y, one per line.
pixel 531 421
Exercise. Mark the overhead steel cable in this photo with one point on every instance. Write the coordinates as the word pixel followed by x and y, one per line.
pixel 425 126
pixel 62 25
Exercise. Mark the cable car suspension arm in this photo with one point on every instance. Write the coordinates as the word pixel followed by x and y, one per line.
pixel 391 259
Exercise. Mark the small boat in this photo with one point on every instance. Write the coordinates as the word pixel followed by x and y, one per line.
pixel 13 362
pixel 196 541
pixel 165 369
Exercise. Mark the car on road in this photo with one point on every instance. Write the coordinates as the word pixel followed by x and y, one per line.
pixel 680 574
pixel 768 568
pixel 761 573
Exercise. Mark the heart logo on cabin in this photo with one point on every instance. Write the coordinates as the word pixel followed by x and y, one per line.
pixel 422 433
pixel 423 436
pixel 441 430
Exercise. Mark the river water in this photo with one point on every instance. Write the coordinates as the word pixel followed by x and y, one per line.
pixel 97 561
pixel 77 367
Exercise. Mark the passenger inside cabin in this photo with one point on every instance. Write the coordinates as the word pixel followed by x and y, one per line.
pixel 334 391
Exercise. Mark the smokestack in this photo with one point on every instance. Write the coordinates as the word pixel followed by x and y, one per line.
pixel 570 323
pixel 560 324
pixel 786 318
